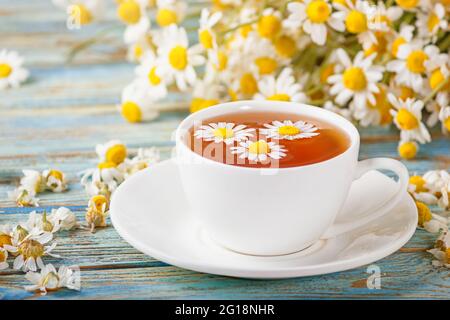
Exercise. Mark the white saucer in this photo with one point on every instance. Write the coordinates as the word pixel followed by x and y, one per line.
pixel 150 212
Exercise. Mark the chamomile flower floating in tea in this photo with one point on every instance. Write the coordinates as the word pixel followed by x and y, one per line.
pixel 224 132
pixel 3 259
pixel 289 130
pixel 441 250
pixel 134 15
pixel 48 279
pixel 170 12
pixel 82 12
pixel 12 74
pixel 358 81
pixel 313 16
pixel 97 212
pixel 281 88
pixel 408 118
pixel 259 151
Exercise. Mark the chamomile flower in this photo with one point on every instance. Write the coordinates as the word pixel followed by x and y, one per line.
pixel 51 280
pixel 408 118
pixel 314 16
pixel 418 188
pixel 381 18
pixel 289 130
pixel 269 25
pixel 259 151
pixel 441 251
pixel 177 58
pixel 114 151
pixel 64 218
pixel 133 14
pixel 374 114
pixel 82 12
pixel 102 180
pixel 224 132
pixel 5 234
pixel 444 118
pixel 97 212
pixel 3 257
pixel 409 67
pixel 431 21
pixel 206 34
pixel 138 50
pixel 55 180
pixel 429 221
pixel 144 158
pixel 33 181
pixel 261 55
pixel 150 75
pixel 438 67
pixel 137 102
pixel 170 12
pixel 30 250
pixel 409 5
pixel 39 223
pixel 206 93
pixel 438 182
pixel 407 149
pixel 12 74
pixel 281 88
pixel 23 197
pixel 358 80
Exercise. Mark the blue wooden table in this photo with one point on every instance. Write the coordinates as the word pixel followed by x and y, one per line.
pixel 56 119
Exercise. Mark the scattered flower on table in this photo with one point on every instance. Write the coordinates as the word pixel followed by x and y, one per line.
pixel 48 279
pixel 23 197
pixel 64 218
pixel 429 221
pixel 144 158
pixel 113 151
pixel 441 250
pixel 54 180
pixel 97 211
pixel 12 74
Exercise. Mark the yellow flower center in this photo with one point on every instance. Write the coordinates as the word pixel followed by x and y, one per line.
pixel 222 61
pixel 407 150
pixel 279 97
pixel 5 70
pixel 341 2
pixel 131 112
pixel 285 46
pixel 2 256
pixel 423 212
pixel 99 202
pixel 259 147
pixel 406 120
pixel 223 133
pixel 138 51
pixel 406 92
pixel 166 17
pixel 318 11
pixel 245 30
pixel 116 154
pixel 436 79
pixel 129 11
pixel 153 78
pixel 248 84
pixel 5 239
pixel 407 4
pixel 415 61
pixel 31 249
pixel 354 79
pixel 447 123
pixel 178 57
pixel 206 39
pixel 266 65
pixel 433 21
pixel 200 103
pixel 396 44
pixel 58 175
pixel 269 26
pixel 106 165
pixel 418 182
pixel 80 13
pixel 356 22
pixel 288 130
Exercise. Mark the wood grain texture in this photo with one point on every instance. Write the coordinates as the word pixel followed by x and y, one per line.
pixel 56 119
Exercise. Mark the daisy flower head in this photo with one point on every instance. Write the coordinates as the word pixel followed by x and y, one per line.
pixel 374 114
pixel 408 118
pixel 441 250
pixel 409 67
pixel 281 88
pixel 81 12
pixel 30 250
pixel 55 180
pixel 102 180
pixel 39 223
pixel 177 58
pixel 431 20
pixel 269 25
pixel 224 132
pixel 23 197
pixel 313 16
pixel 144 158
pixel 51 280
pixel 150 75
pixel 289 130
pixel 438 67
pixel 381 18
pixel 33 181
pixel 138 50
pixel 5 234
pixel 418 187
pixel 206 34
pixel 438 182
pixel 114 151
pixel 3 257
pixel 429 221
pixel 405 35
pixel 407 149
pixel 97 212
pixel 261 52
pixel 358 80
pixel 12 74
pixel 259 151
pixel 170 12
pixel 137 102
pixel 133 14
pixel 64 218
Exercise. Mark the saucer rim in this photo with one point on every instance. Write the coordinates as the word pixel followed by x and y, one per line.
pixel 258 272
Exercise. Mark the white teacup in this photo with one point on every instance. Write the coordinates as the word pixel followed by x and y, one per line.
pixel 276 211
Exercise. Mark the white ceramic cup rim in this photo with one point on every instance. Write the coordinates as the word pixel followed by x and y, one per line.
pixel 272 106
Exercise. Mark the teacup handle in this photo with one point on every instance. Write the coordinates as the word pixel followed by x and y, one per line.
pixel 363 167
